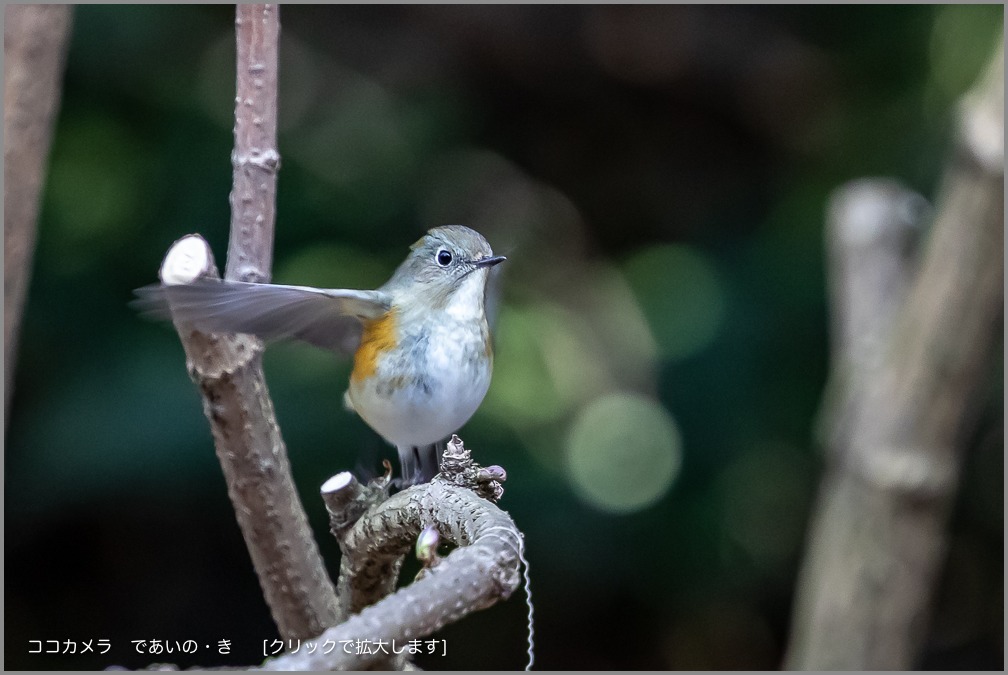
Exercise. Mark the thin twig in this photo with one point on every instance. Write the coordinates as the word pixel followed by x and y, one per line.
pixel 255 158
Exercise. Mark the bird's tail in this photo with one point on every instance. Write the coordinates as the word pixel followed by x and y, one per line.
pixel 419 463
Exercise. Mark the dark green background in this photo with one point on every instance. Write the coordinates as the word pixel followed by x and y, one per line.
pixel 657 176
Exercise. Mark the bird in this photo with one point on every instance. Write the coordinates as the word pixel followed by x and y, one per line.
pixel 421 344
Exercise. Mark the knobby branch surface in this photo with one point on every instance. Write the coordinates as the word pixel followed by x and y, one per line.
pixel 878 536
pixel 227 369
pixel 35 44
pixel 371 560
pixel 376 532
pixel 255 159
pixel 482 571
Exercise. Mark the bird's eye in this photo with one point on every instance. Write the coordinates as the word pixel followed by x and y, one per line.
pixel 444 258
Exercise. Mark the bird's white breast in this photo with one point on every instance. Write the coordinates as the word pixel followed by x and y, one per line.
pixel 433 383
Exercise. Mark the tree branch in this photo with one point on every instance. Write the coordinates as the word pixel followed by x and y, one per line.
pixel 873 231
pixel 373 552
pixel 227 369
pixel 255 158
pixel 35 44
pixel 483 570
pixel 375 532
pixel 878 535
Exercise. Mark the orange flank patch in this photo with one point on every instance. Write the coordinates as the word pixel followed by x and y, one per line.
pixel 378 337
pixel 488 343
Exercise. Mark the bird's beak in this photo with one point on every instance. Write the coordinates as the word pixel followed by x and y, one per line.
pixel 489 262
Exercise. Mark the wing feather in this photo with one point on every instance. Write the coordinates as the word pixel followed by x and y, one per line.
pixel 327 318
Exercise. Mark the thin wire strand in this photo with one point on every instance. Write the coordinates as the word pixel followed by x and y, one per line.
pixel 523 566
pixel 528 601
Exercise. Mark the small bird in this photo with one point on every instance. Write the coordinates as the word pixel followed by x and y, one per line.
pixel 422 354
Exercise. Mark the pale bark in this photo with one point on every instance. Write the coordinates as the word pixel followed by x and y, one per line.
pixel 482 571
pixel 375 531
pixel 35 45
pixel 227 369
pixel 878 536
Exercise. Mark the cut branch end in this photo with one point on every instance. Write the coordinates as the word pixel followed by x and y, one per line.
pixel 187 260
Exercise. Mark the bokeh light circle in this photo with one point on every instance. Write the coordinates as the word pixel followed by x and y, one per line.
pixel 623 452
pixel 682 294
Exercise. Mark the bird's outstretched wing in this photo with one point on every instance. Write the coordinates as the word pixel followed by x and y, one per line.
pixel 327 318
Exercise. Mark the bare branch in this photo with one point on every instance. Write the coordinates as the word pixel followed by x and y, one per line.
pixel 878 536
pixel 376 542
pixel 255 158
pixel 873 230
pixel 377 531
pixel 482 571
pixel 346 500
pixel 35 43
pixel 227 369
